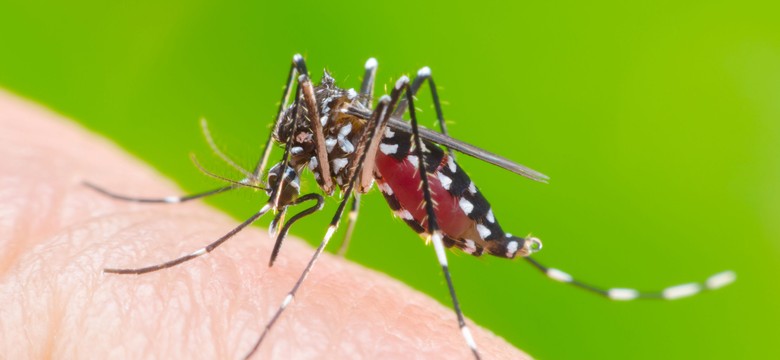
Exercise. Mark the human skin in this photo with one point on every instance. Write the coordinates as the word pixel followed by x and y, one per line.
pixel 56 236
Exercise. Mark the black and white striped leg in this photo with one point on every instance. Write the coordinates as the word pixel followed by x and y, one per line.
pixel 263 162
pixel 423 75
pixel 351 221
pixel 162 200
pixel 433 226
pixel 196 253
pixel 714 282
pixel 286 228
pixel 367 87
pixel 366 98
pixel 379 113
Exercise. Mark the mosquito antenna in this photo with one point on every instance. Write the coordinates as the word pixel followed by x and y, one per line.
pixel 242 183
pixel 213 145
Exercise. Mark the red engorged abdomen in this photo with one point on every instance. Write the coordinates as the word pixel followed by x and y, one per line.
pixel 404 179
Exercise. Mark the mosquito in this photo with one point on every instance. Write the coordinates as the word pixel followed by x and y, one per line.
pixel 348 142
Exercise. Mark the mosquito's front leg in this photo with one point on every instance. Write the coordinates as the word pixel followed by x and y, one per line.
pixel 297 63
pixel 202 251
pixel 334 223
pixel 162 200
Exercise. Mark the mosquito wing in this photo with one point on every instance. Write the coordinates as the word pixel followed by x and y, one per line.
pixel 471 150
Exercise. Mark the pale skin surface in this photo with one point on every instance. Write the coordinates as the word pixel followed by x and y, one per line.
pixel 56 237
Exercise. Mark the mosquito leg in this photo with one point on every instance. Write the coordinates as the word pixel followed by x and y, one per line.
pixel 297 63
pixel 367 96
pixel 334 223
pixel 323 165
pixel 163 200
pixel 433 226
pixel 714 282
pixel 423 75
pixel 277 192
pixel 351 221
pixel 196 253
pixel 286 228
pixel 367 87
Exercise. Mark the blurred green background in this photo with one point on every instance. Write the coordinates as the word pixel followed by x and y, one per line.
pixel 658 122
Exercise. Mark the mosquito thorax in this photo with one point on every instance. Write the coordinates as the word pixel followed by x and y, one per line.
pixel 341 130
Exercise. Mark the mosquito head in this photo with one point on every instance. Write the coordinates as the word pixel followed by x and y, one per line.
pixel 290 186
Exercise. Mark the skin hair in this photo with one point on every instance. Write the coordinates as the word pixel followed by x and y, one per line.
pixel 56 237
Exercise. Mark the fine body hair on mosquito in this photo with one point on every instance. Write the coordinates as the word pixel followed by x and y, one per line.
pixel 348 142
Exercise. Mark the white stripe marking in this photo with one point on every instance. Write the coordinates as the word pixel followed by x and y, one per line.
pixel 490 216
pixel 444 180
pixel 403 80
pixel 414 160
pixel 388 149
pixel 287 300
pixel 622 294
pixel 329 144
pixel 466 205
pixel 371 63
pixel 329 233
pixel 385 188
pixel 324 119
pixel 296 150
pixel 484 232
pixel 346 146
pixel 472 188
pixel 558 275
pixel 681 291
pixel 439 247
pixel 313 163
pixel 424 72
pixel 346 129
pixel 720 280
pixel 404 214
pixel 172 199
pixel 470 247
pixel 351 94
pixel 468 337
pixel 339 164
pixel 511 249
pixel 389 133
pixel 199 252
pixel 451 164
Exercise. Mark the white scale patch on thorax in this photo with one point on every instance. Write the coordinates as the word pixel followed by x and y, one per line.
pixel 339 164
pixel 388 149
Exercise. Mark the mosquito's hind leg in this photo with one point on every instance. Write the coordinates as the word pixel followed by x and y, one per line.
pixel 714 282
pixel 432 225
pixel 379 114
